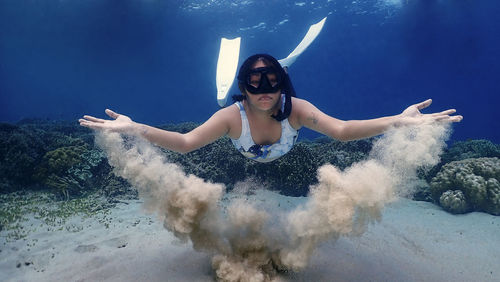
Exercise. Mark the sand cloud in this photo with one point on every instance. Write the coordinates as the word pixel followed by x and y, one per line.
pixel 250 243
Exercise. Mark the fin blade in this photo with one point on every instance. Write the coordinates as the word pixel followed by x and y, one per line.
pixel 311 34
pixel 226 67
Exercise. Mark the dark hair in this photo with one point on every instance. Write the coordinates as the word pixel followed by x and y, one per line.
pixel 287 89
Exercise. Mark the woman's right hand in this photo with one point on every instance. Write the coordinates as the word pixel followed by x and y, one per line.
pixel 119 123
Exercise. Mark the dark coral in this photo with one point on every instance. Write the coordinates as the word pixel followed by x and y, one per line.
pixel 291 174
pixel 461 150
pixel 70 170
pixel 59 155
pixel 38 154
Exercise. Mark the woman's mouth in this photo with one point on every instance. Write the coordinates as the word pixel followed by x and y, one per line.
pixel 265 98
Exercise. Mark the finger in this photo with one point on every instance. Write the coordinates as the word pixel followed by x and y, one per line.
pixel 84 123
pixel 111 114
pixel 94 119
pixel 424 104
pixel 445 113
pixel 89 124
pixel 441 118
pixel 449 118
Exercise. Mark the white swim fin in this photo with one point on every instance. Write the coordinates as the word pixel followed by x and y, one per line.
pixel 226 67
pixel 229 54
pixel 311 34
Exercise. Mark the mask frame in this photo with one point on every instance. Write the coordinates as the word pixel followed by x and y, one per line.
pixel 264 84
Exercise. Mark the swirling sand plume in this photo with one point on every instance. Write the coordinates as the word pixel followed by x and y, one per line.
pixel 248 243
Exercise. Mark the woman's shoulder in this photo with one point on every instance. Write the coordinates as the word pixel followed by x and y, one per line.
pixel 298 102
pixel 229 111
pixel 299 105
pixel 231 115
pixel 297 109
pixel 301 108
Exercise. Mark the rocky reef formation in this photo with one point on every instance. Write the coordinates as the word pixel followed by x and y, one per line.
pixel 468 185
pixel 471 149
pixel 51 155
pixel 291 174
pixel 61 157
pixel 432 188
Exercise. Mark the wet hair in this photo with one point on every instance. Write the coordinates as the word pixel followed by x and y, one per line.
pixel 287 88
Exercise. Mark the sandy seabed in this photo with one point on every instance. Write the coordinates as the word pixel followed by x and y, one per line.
pixel 415 241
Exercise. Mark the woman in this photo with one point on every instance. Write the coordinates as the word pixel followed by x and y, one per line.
pixel 263 124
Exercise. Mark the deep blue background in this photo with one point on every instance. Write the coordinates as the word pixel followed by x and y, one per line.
pixel 156 61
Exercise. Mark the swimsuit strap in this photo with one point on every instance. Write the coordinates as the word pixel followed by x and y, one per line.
pixel 245 125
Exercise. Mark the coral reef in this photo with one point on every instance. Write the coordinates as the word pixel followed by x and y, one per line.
pixel 291 174
pixel 61 156
pixel 471 149
pixel 37 154
pixel 422 191
pixel 69 169
pixel 454 201
pixel 23 146
pixel 216 162
pixel 468 185
pixel 463 150
pixel 113 187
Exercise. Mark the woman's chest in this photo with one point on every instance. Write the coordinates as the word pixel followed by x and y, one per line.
pixel 265 133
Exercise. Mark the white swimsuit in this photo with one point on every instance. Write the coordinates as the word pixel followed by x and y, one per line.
pixel 264 153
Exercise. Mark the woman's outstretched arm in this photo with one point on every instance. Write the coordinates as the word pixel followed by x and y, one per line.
pixel 311 117
pixel 214 128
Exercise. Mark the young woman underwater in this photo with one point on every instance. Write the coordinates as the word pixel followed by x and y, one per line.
pixel 263 124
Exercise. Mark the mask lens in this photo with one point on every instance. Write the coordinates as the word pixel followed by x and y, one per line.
pixel 254 79
pixel 272 77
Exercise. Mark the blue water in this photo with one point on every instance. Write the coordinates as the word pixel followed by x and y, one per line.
pixel 156 60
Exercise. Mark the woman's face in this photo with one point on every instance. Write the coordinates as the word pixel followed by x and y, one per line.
pixel 264 101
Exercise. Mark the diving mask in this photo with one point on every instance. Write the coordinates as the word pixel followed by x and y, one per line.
pixel 263 80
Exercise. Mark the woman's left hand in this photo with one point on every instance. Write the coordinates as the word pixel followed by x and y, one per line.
pixel 412 115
